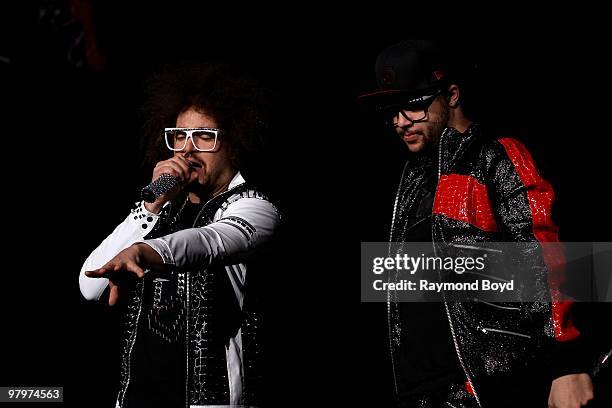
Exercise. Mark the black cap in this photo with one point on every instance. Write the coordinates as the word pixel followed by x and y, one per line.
pixel 408 69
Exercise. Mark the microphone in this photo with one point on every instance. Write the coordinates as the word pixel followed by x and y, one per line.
pixel 162 185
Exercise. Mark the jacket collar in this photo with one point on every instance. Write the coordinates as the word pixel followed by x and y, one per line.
pixel 454 144
pixel 237 180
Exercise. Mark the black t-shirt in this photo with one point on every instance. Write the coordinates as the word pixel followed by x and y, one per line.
pixel 158 369
pixel 427 359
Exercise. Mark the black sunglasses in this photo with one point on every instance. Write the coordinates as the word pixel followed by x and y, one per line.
pixel 415 104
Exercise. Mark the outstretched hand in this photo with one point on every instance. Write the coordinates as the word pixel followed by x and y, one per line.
pixel 131 261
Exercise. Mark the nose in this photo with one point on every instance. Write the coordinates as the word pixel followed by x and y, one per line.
pixel 189 145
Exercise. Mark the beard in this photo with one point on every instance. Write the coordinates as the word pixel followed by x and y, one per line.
pixel 433 132
pixel 437 127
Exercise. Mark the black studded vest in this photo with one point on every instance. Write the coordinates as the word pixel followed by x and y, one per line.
pixel 200 311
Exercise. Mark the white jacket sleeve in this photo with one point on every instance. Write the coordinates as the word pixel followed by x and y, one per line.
pixel 131 230
pixel 239 229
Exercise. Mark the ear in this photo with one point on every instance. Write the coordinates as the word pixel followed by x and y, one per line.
pixel 453 96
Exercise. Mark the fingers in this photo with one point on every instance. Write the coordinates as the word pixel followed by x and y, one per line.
pixel 183 160
pixel 188 171
pixel 108 272
pixel 193 171
pixel 135 269
pixel 104 271
pixel 97 273
pixel 113 296
pixel 175 166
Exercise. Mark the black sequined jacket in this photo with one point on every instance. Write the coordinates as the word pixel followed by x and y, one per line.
pixel 489 190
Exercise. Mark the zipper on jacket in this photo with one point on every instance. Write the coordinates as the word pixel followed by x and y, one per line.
pixel 395 386
pixel 602 363
pixel 187 299
pixel 498 251
pixel 419 222
pixel 395 204
pixel 187 281
pixel 495 305
pixel 443 293
pixel 389 322
pixel 132 342
pixel 486 330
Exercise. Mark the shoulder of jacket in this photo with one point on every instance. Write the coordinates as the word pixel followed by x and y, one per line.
pixel 509 147
pixel 246 193
pixel 500 145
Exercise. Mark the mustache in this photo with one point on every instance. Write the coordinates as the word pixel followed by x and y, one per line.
pixel 406 129
pixel 192 164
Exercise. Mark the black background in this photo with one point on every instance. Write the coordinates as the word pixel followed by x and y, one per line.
pixel 72 166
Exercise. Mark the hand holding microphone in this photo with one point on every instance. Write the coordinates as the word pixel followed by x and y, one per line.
pixel 167 176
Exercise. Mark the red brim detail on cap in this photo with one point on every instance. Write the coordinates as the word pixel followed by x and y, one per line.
pixel 375 100
pixel 387 92
pixel 390 95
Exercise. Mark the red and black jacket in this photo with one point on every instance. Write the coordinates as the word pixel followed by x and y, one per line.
pixel 489 190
